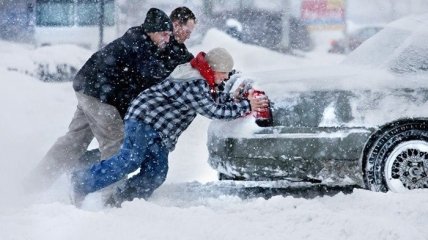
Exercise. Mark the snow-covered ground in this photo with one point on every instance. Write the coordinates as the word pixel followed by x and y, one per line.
pixel 190 205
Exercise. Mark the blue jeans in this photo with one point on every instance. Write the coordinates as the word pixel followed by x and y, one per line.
pixel 142 148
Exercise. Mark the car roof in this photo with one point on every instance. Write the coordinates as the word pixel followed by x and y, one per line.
pixel 388 45
pixel 369 67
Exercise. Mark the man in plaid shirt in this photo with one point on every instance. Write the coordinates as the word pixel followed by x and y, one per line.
pixel 155 120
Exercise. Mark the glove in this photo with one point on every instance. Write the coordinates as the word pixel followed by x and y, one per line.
pixel 233 72
pixel 242 91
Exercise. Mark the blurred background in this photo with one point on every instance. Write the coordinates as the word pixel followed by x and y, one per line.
pixel 286 26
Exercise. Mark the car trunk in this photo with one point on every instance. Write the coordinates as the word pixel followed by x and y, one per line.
pixel 316 134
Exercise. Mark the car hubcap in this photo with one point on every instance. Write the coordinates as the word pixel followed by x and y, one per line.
pixel 407 166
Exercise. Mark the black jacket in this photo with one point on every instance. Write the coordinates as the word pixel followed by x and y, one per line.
pixel 175 54
pixel 117 73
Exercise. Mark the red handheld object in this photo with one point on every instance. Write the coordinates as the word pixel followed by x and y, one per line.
pixel 263 116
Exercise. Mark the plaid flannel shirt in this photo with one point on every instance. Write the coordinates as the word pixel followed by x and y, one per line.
pixel 170 106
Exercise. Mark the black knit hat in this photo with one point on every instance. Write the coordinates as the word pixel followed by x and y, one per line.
pixel 157 21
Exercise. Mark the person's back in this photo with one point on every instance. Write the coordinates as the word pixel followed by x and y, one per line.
pixel 171 105
pixel 122 69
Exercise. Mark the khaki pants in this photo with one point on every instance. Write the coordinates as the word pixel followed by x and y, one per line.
pixel 91 119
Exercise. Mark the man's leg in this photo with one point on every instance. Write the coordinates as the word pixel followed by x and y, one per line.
pixel 65 152
pixel 133 152
pixel 152 174
pixel 105 123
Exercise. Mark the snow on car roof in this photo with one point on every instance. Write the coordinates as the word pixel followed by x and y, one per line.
pixel 386 46
pixel 396 57
pixel 415 23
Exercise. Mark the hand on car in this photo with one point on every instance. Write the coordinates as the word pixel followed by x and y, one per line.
pixel 242 91
pixel 259 103
pixel 239 92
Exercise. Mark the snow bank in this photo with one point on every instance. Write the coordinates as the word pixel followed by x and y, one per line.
pixel 49 63
pixel 361 215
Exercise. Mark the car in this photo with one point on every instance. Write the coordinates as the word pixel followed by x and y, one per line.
pixel 363 122
pixel 355 39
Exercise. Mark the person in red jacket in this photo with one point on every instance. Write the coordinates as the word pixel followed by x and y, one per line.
pixel 155 120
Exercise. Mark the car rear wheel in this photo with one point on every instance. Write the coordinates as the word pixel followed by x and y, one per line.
pixel 407 165
pixel 398 158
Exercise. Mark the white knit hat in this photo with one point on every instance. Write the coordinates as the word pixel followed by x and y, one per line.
pixel 219 60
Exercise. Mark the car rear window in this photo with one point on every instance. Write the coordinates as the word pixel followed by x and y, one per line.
pixel 412 58
pixel 379 49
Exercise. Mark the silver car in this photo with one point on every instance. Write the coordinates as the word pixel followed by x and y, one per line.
pixel 363 122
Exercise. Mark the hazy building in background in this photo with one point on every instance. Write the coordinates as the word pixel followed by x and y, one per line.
pixel 17 20
pixel 272 23
pixel 57 21
pixel 383 11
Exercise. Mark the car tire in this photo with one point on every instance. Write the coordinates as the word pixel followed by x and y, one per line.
pixel 397 157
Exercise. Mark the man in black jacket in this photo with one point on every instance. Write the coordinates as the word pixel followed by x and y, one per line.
pixel 109 81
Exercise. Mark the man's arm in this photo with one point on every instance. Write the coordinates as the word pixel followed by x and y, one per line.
pixel 198 97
